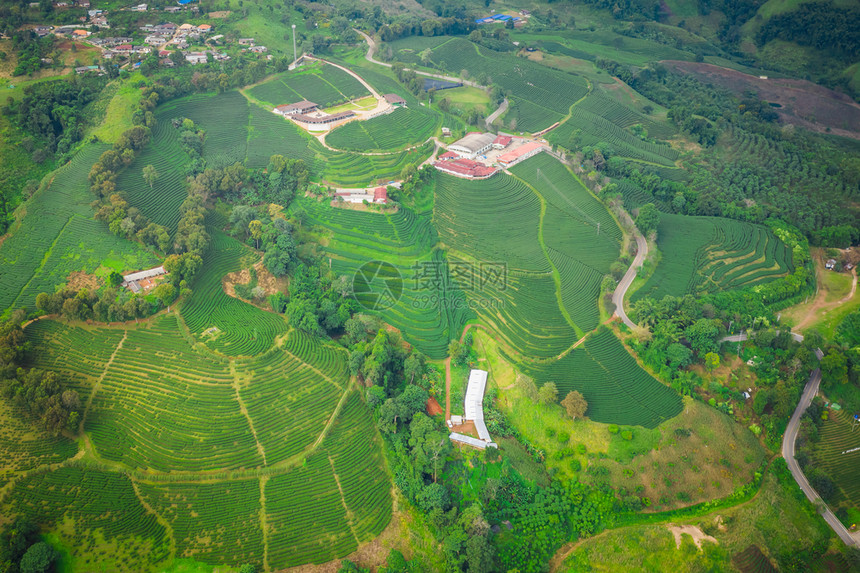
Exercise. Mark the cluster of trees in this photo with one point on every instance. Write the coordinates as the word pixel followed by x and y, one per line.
pixel 448 25
pixel 110 304
pixel 394 563
pixel 52 112
pixel 822 25
pixel 40 394
pixel 317 304
pixel 269 230
pixel 761 160
pixel 31 51
pixel 129 222
pixel 103 173
pixel 191 139
pixel 408 78
pixel 22 551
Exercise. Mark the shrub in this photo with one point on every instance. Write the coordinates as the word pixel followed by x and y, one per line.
pixel 627 435
pixel 613 428
pixel 563 437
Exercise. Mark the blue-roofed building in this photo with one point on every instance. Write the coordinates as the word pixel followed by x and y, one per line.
pixel 486 20
pixel 184 2
pixel 503 17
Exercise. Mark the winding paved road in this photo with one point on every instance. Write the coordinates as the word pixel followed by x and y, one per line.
pixel 788 442
pixel 790 436
pixel 627 279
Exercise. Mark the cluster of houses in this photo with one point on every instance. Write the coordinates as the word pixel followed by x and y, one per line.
pixel 170 33
pixel 467 157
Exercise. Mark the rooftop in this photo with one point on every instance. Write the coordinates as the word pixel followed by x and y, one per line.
pixel 475 141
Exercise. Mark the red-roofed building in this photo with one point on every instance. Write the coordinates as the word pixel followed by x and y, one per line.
pixel 521 153
pixel 465 168
pixel 448 155
pixel 163 54
pixel 502 141
pixel 380 195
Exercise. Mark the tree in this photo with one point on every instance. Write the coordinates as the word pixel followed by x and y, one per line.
pixel 247 568
pixel 702 336
pixel 150 175
pixel 165 293
pixel 548 393
pixel 834 367
pixel 255 228
pixel 648 218
pixel 38 559
pixel 712 360
pixel 575 405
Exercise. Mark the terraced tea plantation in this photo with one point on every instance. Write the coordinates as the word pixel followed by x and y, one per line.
pixel 838 453
pixel 541 95
pixel 324 85
pixel 58 235
pixel 432 308
pixel 224 461
pixel 617 390
pixel 401 128
pixel 708 254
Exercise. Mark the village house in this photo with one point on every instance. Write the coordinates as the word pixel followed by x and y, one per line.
pixel 195 58
pixel 258 49
pixel 395 100
pixel 246 41
pixel 138 8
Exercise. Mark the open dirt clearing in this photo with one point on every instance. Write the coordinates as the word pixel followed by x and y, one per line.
pixel 803 103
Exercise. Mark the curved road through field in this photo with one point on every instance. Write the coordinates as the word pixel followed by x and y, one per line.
pixel 788 441
pixel 790 437
pixel 371 50
pixel 627 279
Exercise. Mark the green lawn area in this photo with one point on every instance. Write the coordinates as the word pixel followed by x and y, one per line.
pixel 363 103
pixel 117 117
pixel 467 98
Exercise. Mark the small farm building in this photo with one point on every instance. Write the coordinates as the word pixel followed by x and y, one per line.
pixel 380 195
pixel 446 132
pixel 133 282
pixel 301 107
pixel 474 144
pixel 475 411
pixel 395 100
pixel 465 168
pixel 502 141
pixel 322 120
pixel 830 264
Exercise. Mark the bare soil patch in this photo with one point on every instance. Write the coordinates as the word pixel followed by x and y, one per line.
pixel 218 14
pixel 79 279
pixel 270 283
pixel 803 103
pixel 433 407
pixel 693 531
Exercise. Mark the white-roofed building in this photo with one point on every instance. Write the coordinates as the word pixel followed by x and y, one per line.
pixel 474 405
pixel 473 144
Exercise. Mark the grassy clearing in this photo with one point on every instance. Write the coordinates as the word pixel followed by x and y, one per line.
pixel 467 98
pixel 364 103
pixel 779 520
pixel 117 118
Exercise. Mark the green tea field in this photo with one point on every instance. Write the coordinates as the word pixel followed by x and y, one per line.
pixel 278 479
pixel 707 254
pixel 57 235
